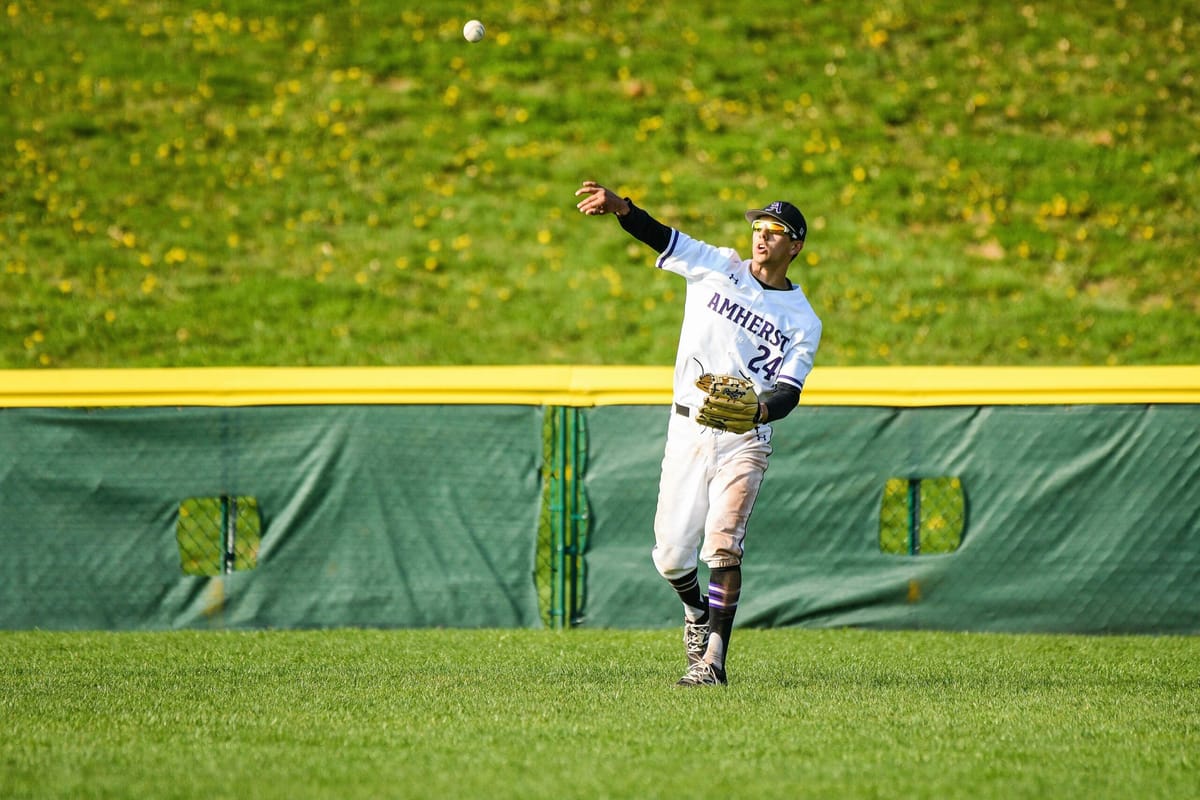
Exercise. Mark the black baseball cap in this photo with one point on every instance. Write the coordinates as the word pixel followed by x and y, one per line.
pixel 784 212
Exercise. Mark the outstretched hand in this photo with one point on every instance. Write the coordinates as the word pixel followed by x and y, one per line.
pixel 599 200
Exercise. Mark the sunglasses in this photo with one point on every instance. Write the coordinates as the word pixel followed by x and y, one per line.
pixel 771 226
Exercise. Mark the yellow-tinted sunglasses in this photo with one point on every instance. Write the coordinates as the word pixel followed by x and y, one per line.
pixel 771 226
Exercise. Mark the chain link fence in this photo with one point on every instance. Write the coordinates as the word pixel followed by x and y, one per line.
pixel 218 535
pixel 922 516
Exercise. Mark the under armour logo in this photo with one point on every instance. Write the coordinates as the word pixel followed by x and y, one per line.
pixel 733 278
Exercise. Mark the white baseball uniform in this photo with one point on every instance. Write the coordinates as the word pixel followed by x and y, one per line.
pixel 732 325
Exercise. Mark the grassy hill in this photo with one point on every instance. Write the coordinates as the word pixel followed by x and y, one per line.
pixel 240 182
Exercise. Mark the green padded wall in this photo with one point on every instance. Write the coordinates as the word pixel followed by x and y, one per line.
pixel 1081 518
pixel 389 516
pixel 1078 518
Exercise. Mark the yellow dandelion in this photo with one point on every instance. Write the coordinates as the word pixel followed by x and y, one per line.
pixel 65 286
pixel 543 236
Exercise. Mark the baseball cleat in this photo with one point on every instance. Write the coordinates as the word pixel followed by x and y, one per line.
pixel 703 674
pixel 695 641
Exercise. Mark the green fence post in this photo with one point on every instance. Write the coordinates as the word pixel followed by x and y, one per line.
pixel 557 528
pixel 577 517
pixel 914 516
pixel 568 517
pixel 228 532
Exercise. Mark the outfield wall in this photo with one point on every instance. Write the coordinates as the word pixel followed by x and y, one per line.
pixel 414 498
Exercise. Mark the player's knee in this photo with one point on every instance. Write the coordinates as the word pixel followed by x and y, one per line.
pixel 673 562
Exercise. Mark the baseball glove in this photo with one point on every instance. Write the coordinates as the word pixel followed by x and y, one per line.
pixel 731 403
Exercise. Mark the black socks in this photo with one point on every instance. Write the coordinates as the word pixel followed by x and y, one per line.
pixel 688 588
pixel 724 590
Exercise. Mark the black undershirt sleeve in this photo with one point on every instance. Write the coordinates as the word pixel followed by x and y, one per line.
pixel 780 401
pixel 645 228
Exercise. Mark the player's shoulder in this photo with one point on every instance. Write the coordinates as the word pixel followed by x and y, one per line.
pixel 798 305
pixel 727 257
pixel 688 251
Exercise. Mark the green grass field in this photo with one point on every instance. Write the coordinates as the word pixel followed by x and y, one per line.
pixel 239 182
pixel 591 714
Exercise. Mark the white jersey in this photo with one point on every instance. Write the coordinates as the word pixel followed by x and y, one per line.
pixel 733 326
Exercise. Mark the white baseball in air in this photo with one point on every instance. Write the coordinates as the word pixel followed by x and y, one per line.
pixel 473 31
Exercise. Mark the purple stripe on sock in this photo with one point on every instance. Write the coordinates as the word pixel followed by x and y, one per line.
pixel 717 599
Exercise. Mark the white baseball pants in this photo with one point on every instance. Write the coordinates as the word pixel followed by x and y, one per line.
pixel 709 482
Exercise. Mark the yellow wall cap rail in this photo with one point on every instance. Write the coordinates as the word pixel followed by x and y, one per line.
pixel 582 386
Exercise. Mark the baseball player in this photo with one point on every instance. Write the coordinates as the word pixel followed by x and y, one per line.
pixel 746 347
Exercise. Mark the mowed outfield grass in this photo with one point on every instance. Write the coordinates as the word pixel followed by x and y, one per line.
pixel 590 714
